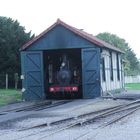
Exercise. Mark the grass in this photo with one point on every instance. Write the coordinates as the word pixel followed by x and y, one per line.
pixel 9 96
pixel 133 86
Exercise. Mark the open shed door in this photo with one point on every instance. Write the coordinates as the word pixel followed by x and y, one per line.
pixel 91 72
pixel 32 70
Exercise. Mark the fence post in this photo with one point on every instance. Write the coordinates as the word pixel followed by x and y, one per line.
pixel 6 81
pixel 16 80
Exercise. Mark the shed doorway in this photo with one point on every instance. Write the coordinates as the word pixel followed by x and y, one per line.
pixel 63 74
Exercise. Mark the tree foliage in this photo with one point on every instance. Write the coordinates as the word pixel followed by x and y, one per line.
pixel 132 64
pixel 12 37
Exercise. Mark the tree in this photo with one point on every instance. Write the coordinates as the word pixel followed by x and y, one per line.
pixel 132 66
pixel 12 37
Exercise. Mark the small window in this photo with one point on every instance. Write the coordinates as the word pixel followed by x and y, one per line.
pixel 111 66
pixel 118 68
pixel 103 70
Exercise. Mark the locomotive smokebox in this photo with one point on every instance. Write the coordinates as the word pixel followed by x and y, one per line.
pixel 64 74
pixel 64 77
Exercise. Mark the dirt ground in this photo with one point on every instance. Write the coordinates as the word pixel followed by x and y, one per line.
pixel 127 128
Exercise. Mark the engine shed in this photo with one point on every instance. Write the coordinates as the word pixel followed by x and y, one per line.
pixel 66 62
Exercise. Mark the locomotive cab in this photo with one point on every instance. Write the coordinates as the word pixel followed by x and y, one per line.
pixel 63 74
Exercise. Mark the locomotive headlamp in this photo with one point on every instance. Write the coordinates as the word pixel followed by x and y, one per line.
pixel 63 64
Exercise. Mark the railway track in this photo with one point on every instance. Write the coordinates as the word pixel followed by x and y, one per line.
pixel 86 135
pixel 64 124
pixel 24 108
pixel 41 107
pixel 124 112
pixel 59 125
pixel 36 107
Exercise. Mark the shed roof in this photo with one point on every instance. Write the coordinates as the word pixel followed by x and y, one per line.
pixel 79 32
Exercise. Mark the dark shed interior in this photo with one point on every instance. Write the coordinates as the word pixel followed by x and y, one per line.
pixel 62 72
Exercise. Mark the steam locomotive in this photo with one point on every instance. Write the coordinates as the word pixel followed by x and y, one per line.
pixel 64 75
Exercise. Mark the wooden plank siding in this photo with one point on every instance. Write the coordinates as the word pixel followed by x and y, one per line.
pixel 109 84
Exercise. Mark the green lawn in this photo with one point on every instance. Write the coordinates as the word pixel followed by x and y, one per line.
pixel 132 86
pixel 9 96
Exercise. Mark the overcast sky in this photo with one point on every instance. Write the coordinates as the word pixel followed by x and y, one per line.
pixel 120 17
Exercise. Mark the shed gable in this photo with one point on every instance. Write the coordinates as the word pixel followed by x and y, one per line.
pixel 60 38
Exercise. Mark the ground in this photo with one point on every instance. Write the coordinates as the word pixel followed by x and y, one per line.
pixel 127 128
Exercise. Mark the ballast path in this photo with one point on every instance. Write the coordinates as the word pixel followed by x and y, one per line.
pixel 23 106
pixel 123 114
pixel 102 114
pixel 80 120
pixel 22 112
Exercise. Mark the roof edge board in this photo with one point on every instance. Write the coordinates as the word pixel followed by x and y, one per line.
pixel 83 34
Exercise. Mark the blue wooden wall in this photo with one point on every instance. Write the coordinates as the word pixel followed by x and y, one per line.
pixel 32 69
pixel 60 38
pixel 91 72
